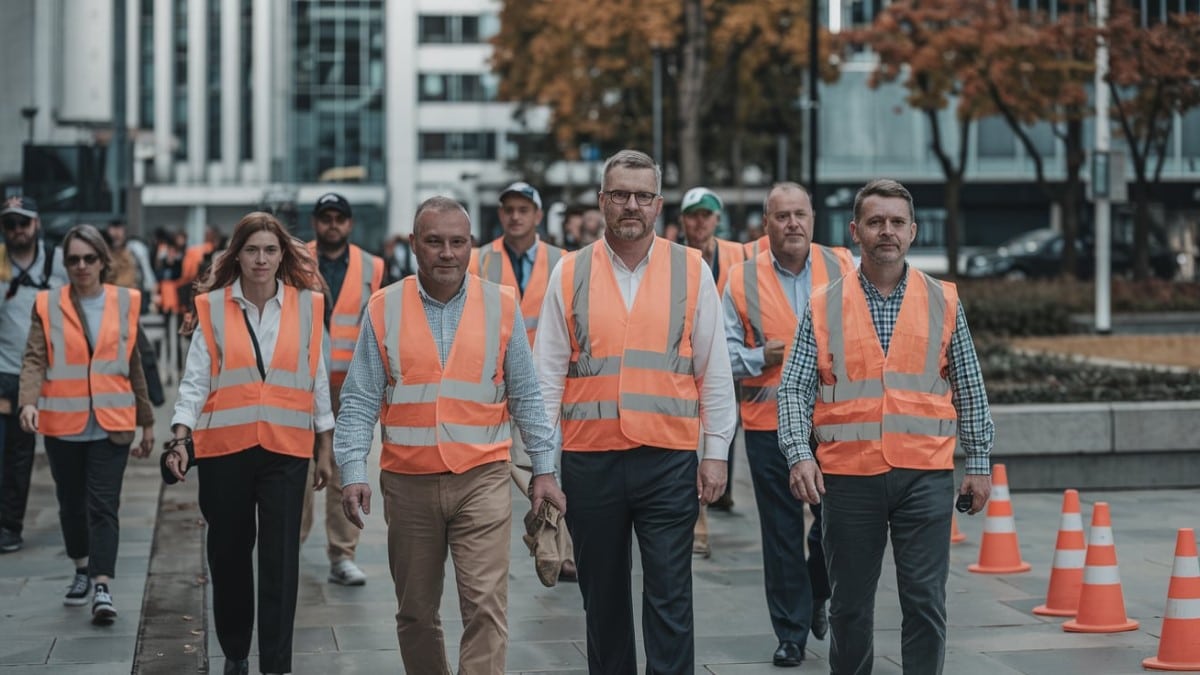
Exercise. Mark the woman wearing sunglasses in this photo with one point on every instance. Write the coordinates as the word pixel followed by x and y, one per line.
pixel 83 390
pixel 253 408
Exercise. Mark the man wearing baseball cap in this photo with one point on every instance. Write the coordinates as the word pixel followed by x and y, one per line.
pixel 521 260
pixel 352 275
pixel 700 212
pixel 26 266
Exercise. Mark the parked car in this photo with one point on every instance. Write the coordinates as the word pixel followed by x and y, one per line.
pixel 1037 254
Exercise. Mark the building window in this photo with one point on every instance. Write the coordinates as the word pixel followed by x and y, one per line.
pixel 456 29
pixel 145 56
pixel 458 145
pixel 214 80
pixel 180 99
pixel 337 96
pixel 457 87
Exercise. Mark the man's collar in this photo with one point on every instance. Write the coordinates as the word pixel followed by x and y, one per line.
pixel 530 253
pixel 427 297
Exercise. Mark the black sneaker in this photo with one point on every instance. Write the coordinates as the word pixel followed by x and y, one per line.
pixel 10 542
pixel 103 611
pixel 77 592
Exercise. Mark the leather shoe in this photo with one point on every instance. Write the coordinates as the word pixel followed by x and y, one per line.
pixel 788 654
pixel 237 667
pixel 820 621
pixel 568 572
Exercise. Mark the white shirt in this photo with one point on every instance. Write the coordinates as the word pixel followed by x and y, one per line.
pixel 193 388
pixel 718 410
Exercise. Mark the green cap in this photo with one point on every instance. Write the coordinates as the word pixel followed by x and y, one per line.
pixel 700 198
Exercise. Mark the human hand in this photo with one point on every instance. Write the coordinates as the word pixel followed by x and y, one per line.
pixel 545 488
pixel 29 419
pixel 806 482
pixel 142 450
pixel 980 487
pixel 773 352
pixel 356 496
pixel 710 480
pixel 324 472
pixel 177 458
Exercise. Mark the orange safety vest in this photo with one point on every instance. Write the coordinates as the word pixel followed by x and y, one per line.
pixel 492 263
pixel 875 412
pixel 243 409
pixel 729 254
pixel 631 379
pixel 753 248
pixel 80 378
pixel 364 276
pixel 766 315
pixel 454 417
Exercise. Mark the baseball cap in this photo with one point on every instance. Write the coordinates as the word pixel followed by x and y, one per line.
pixel 24 206
pixel 700 198
pixel 525 190
pixel 332 200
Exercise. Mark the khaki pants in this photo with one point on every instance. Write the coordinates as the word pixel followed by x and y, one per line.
pixel 522 474
pixel 341 534
pixel 471 514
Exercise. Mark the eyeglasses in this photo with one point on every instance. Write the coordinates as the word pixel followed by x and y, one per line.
pixel 15 223
pixel 87 259
pixel 622 197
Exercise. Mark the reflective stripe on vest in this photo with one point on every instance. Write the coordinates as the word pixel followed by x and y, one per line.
pixel 494 265
pixel 444 418
pixel 243 409
pixel 364 276
pixel 766 315
pixel 875 412
pixel 631 381
pixel 80 379
pixel 756 247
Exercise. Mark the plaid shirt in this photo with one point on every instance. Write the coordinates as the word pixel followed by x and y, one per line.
pixel 798 390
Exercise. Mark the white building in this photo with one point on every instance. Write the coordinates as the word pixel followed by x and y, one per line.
pixel 240 104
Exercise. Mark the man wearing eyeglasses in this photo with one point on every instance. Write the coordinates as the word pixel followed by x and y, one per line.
pixel 631 356
pixel 25 268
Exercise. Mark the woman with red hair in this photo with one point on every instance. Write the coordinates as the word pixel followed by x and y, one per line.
pixel 254 410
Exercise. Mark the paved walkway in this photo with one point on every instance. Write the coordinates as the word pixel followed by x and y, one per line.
pixel 351 630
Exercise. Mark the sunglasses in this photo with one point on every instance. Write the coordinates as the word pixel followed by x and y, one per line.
pixel 88 259
pixel 15 223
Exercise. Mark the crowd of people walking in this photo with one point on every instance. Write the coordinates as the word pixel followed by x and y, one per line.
pixel 607 379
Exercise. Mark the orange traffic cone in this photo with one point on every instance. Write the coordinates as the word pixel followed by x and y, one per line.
pixel 956 537
pixel 1101 602
pixel 1066 576
pixel 1179 646
pixel 999 553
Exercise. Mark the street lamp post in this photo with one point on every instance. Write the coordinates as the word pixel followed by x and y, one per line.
pixel 1101 181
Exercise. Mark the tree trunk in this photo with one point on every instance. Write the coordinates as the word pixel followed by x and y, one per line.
pixel 1141 230
pixel 952 198
pixel 1071 196
pixel 692 73
pixel 736 210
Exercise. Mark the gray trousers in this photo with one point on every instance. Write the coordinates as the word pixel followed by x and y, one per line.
pixel 858 511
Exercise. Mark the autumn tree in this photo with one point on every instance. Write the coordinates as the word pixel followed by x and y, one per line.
pixel 590 64
pixel 1154 75
pixel 1037 69
pixel 934 47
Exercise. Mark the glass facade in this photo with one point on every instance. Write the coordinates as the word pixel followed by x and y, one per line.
pixel 179 96
pixel 145 57
pixel 337 96
pixel 479 145
pixel 457 87
pixel 213 87
pixel 456 29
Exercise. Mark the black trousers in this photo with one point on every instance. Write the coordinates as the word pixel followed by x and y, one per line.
pixel 253 494
pixel 16 453
pixel 818 576
pixel 781 521
pixel 87 480
pixel 650 492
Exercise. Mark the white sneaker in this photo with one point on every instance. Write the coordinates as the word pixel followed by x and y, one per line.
pixel 103 611
pixel 346 573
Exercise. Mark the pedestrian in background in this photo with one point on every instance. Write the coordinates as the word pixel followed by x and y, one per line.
pixel 258 338
pixel 884 373
pixel 521 260
pixel 27 265
pixel 442 364
pixel 762 302
pixel 700 211
pixel 83 390
pixel 351 275
pixel 631 355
